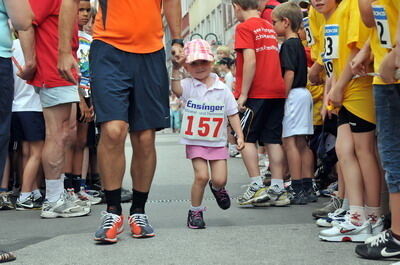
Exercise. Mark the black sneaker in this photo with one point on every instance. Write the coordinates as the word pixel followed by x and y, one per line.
pixel 221 196
pixel 298 198
pixel 382 247
pixel 27 204
pixel 195 220
pixel 37 204
pixel 311 196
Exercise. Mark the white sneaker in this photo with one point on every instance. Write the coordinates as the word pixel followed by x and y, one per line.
pixel 337 216
pixel 346 231
pixel 377 230
pixel 73 197
pixel 62 208
pixel 82 195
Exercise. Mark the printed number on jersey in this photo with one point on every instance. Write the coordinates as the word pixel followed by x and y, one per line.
pixel 203 121
pixel 307 29
pixel 331 42
pixel 382 26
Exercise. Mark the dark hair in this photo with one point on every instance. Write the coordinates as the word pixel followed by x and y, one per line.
pixel 246 4
pixel 227 61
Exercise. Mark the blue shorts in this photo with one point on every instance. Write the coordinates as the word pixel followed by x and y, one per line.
pixel 28 126
pixel 129 87
pixel 387 98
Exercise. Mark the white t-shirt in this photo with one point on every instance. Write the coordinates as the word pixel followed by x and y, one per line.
pixel 229 79
pixel 205 112
pixel 25 97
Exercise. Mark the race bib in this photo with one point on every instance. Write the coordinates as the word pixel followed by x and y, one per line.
pixel 382 26
pixel 307 29
pixel 328 64
pixel 331 42
pixel 85 85
pixel 203 121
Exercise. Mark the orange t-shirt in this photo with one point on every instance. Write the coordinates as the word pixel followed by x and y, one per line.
pixel 131 25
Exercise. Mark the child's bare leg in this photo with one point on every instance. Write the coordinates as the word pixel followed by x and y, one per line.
pixel 32 165
pixel 293 157
pixel 219 175
pixel 201 178
pixel 276 157
pixel 341 183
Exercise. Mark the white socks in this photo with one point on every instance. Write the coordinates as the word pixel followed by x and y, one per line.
pixel 257 180
pixel 23 196
pixel 357 215
pixel 36 194
pixel 197 208
pixel 278 182
pixel 373 213
pixel 54 189
pixel 345 204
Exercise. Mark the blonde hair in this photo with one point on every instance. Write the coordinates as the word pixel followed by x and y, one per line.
pixel 292 12
pixel 224 49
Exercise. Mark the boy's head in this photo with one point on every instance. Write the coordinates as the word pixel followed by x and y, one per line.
pixel 241 6
pixel 199 58
pixel 287 17
pixel 226 64
pixel 84 12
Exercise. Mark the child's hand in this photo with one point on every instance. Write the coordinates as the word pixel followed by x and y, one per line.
pixel 240 143
pixel 335 98
pixel 178 58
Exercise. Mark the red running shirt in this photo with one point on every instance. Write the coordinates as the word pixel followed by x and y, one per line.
pixel 266 14
pixel 257 34
pixel 46 43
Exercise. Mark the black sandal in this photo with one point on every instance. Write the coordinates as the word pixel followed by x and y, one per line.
pixel 6 256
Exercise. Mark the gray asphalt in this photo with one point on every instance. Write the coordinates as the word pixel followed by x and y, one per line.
pixel 237 236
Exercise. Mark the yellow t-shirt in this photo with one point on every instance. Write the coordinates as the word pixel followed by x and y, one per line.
pixel 316 21
pixel 383 35
pixel 317 93
pixel 343 32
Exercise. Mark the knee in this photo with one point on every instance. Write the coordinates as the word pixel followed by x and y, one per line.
pixel 344 152
pixel 201 178
pixel 145 140
pixel 114 134
pixel 219 183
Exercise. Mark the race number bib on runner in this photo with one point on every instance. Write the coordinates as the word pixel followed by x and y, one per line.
pixel 382 26
pixel 307 29
pixel 328 64
pixel 203 121
pixel 331 42
pixel 85 85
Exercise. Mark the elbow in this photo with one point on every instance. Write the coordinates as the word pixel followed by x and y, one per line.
pixel 368 20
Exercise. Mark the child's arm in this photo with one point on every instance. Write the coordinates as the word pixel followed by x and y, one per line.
pixel 176 76
pixel 249 70
pixel 388 68
pixel 360 63
pixel 288 77
pixel 367 14
pixel 235 124
pixel 314 75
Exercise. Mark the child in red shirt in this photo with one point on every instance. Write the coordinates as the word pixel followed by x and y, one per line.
pixel 261 98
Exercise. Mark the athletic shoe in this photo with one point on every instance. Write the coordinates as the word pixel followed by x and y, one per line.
pixel 38 203
pixel 195 220
pixel 5 201
pixel 290 192
pixel 329 191
pixel 298 198
pixel 111 226
pixel 310 196
pixel 377 229
pixel 382 247
pixel 346 231
pixel 275 197
pixel 63 207
pixel 336 216
pixel 73 197
pixel 27 204
pixel 252 193
pixel 334 204
pixel 221 196
pixel 82 195
pixel 140 226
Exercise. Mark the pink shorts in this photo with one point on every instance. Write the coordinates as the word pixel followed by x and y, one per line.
pixel 207 153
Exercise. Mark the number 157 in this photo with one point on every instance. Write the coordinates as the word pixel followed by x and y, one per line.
pixel 204 126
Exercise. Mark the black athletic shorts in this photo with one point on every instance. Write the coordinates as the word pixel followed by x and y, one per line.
pixel 357 125
pixel 28 126
pixel 264 123
pixel 129 87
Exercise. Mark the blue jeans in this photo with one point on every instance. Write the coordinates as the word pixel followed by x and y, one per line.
pixel 6 99
pixel 387 101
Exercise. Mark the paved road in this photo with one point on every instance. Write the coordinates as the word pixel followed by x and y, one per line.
pixel 278 236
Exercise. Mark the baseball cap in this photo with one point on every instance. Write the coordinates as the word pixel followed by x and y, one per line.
pixel 198 49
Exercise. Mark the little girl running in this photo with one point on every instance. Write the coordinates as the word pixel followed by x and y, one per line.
pixel 208 105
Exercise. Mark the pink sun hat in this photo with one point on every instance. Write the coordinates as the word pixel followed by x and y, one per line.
pixel 198 49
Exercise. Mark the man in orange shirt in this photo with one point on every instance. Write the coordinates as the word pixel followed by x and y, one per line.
pixel 130 90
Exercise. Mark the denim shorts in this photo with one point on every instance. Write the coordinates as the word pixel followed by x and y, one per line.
pixel 387 99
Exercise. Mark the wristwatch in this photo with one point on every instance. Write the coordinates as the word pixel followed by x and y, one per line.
pixel 179 41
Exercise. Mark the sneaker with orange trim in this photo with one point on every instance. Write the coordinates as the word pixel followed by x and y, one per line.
pixel 140 226
pixel 111 226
